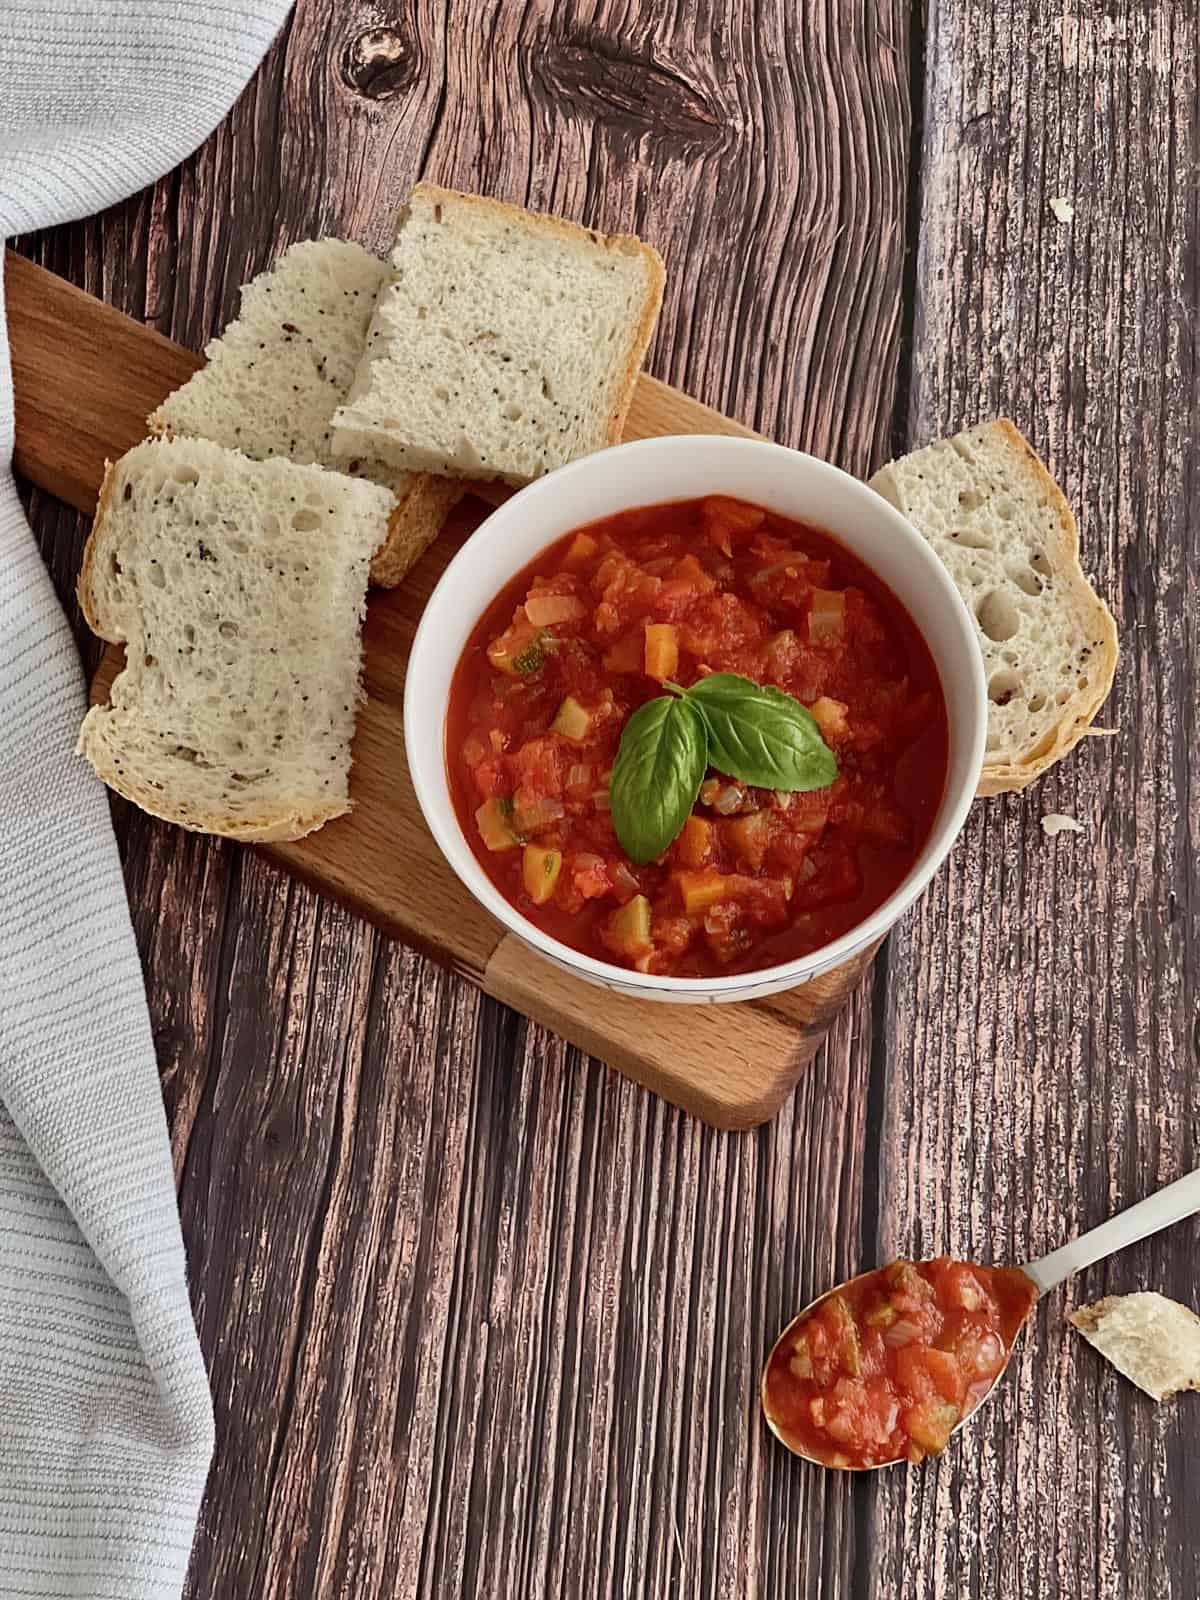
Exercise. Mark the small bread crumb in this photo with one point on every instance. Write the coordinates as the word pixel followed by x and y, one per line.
pixel 1152 1341
pixel 1100 733
pixel 1062 209
pixel 1054 823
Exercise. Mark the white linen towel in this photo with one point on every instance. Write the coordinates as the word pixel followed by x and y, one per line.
pixel 105 1417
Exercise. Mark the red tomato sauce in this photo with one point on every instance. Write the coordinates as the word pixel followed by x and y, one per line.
pixel 888 1366
pixel 589 631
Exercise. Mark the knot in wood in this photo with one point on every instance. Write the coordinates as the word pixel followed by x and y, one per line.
pixel 379 63
pixel 628 93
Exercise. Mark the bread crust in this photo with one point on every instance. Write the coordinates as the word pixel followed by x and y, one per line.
pixel 276 827
pixel 623 243
pixel 1007 777
pixel 84 589
pixel 1079 713
pixel 419 516
pixel 273 826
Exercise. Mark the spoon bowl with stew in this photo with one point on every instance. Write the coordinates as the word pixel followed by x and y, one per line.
pixel 885 1367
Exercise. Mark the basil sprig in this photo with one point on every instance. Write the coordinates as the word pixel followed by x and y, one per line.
pixel 760 735
pixel 747 730
pixel 657 775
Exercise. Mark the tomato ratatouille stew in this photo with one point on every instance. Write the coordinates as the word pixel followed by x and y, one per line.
pixel 885 1368
pixel 696 739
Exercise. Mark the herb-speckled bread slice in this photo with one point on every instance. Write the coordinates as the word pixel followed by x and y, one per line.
pixel 278 372
pixel 238 589
pixel 1001 525
pixel 504 343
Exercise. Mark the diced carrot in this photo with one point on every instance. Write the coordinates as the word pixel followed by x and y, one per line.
pixel 695 842
pixel 582 548
pixel 662 650
pixel 749 836
pixel 699 890
pixel 724 518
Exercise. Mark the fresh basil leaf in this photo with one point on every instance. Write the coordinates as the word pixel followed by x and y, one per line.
pixel 657 775
pixel 760 735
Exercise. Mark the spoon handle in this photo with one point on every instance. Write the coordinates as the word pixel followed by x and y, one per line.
pixel 1178 1200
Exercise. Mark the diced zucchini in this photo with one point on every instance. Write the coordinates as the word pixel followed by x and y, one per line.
pixel 629 927
pixel 699 890
pixel 572 720
pixel 930 1423
pixel 531 658
pixel 519 650
pixel 494 821
pixel 841 1320
pixel 539 871
pixel 881 1315
pixel 662 650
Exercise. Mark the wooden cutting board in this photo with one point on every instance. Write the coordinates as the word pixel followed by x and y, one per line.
pixel 85 379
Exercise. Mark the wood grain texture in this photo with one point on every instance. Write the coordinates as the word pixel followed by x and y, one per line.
pixel 484 1319
pixel 1040 1061
pixel 731 1067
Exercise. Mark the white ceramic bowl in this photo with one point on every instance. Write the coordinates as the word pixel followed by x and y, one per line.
pixel 677 468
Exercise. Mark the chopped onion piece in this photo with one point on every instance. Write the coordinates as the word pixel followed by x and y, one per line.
pixel 538 813
pixel 624 879
pixel 902 1332
pixel 728 799
pixel 545 609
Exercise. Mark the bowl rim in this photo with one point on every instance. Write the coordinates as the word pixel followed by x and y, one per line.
pixel 451 838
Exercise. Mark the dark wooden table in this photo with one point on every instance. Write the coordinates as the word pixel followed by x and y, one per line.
pixel 481 1317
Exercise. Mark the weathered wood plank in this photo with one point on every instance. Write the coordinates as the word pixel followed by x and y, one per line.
pixel 482 1318
pixel 1041 1057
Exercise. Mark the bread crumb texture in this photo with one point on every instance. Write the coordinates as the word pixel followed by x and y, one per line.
pixel 1001 526
pixel 504 343
pixel 278 372
pixel 238 589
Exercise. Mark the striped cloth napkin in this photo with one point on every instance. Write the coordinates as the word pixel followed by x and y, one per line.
pixel 105 1419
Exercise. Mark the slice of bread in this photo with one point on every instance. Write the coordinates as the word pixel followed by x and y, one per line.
pixel 238 589
pixel 504 343
pixel 277 374
pixel 1000 523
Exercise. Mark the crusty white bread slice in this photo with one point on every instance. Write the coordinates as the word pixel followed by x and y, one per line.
pixel 238 589
pixel 1002 526
pixel 278 372
pixel 504 343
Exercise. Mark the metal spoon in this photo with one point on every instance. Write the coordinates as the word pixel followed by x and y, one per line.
pixel 1157 1211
